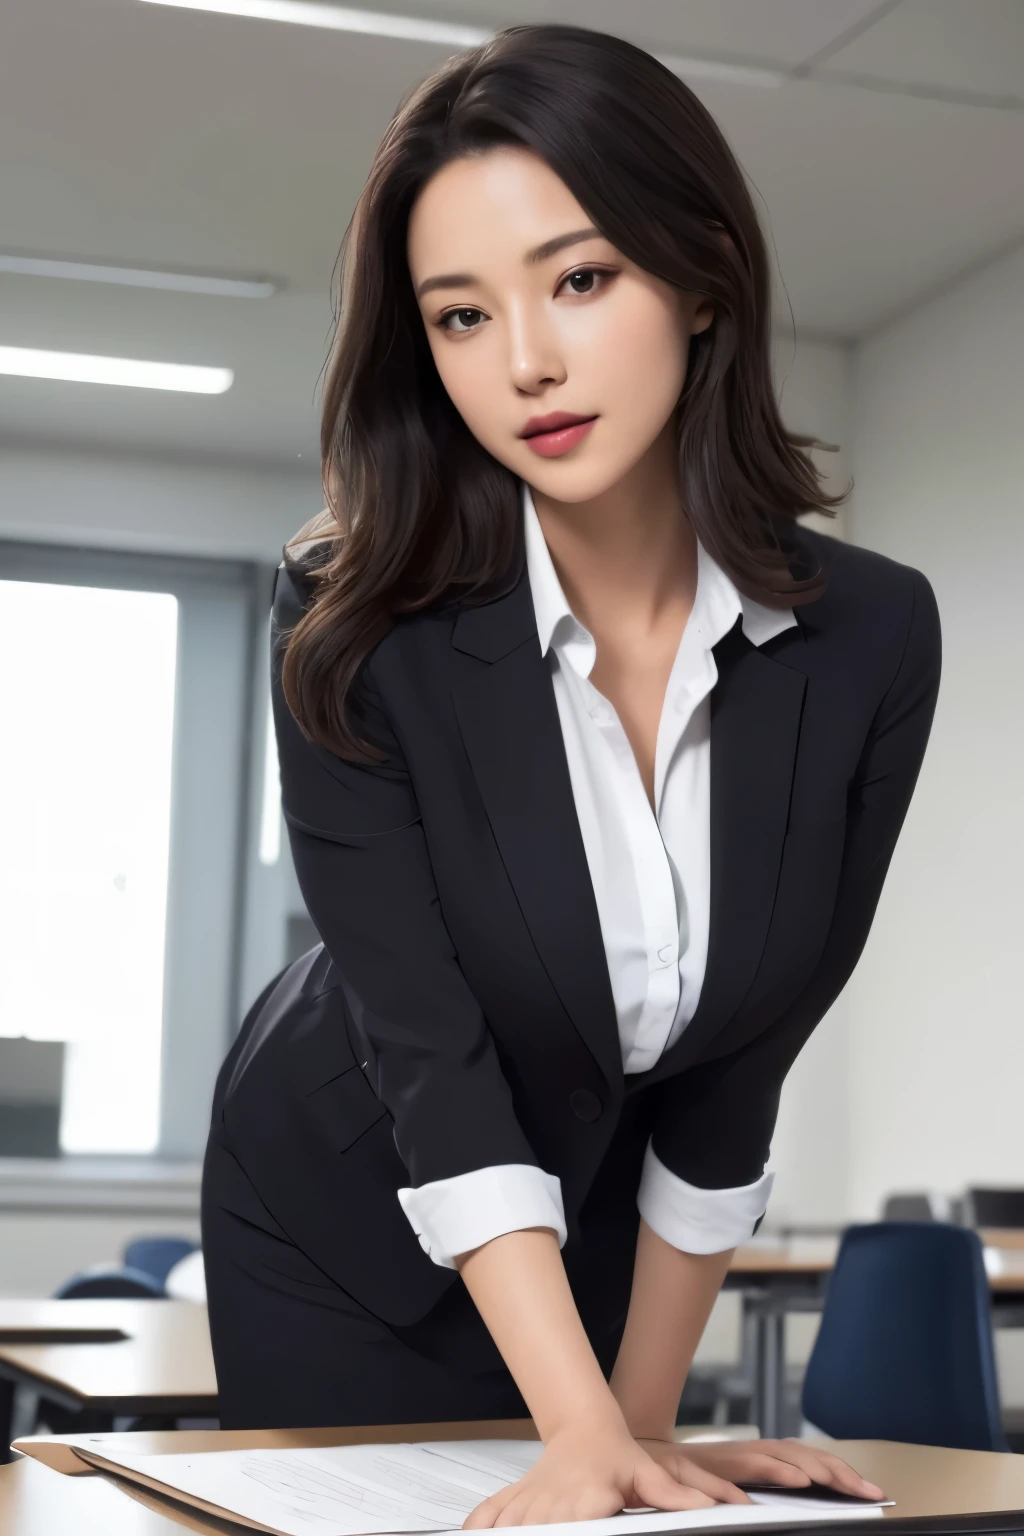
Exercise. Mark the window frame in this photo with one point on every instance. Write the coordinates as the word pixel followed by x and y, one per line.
pixel 216 802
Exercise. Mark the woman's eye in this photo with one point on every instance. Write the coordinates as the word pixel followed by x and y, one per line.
pixel 584 279
pixel 469 317
pixel 583 282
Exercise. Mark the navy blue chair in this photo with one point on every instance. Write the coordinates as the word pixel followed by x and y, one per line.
pixel 111 1280
pixel 905 1347
pixel 157 1256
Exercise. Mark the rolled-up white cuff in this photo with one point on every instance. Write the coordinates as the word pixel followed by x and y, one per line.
pixel 451 1216
pixel 699 1220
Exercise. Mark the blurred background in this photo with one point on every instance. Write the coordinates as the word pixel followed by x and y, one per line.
pixel 174 183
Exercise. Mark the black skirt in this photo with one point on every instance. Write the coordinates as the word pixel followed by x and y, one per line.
pixel 292 1346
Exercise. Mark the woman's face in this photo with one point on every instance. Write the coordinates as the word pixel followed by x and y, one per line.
pixel 530 312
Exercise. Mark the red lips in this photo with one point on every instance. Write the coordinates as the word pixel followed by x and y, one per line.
pixel 553 423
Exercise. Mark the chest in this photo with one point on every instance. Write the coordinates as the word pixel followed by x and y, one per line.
pixel 490 769
pixel 631 677
pixel 648 852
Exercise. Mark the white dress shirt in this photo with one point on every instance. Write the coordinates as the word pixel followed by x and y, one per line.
pixel 651 873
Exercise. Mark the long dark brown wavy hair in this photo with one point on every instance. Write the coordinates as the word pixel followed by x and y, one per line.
pixel 418 513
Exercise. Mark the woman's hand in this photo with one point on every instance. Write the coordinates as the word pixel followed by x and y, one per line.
pixel 789 1463
pixel 588 1471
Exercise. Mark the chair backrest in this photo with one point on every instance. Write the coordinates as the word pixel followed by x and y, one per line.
pixel 157 1256
pixel 905 1348
pixel 110 1280
pixel 994 1208
pixel 908 1208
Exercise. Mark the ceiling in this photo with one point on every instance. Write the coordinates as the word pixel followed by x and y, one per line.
pixel 887 160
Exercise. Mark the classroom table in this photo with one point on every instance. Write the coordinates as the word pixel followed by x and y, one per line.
pixel 936 1491
pixel 776 1280
pixel 150 1359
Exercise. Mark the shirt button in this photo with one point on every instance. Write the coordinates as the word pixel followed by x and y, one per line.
pixel 585 1105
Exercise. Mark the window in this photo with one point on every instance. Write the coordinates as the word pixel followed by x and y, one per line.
pixel 133 695
pixel 87 693
pixel 270 813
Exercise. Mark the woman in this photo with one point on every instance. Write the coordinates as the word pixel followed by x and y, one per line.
pixel 593 761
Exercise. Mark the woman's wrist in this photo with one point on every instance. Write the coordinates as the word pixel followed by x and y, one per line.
pixel 519 1285
pixel 599 1415
pixel 672 1296
pixel 648 1414
pixel 649 1426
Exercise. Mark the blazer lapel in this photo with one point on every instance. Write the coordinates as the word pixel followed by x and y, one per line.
pixel 508 717
pixel 756 707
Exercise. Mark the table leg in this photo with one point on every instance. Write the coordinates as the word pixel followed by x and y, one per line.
pixel 6 1417
pixel 770 1379
pixel 25 1412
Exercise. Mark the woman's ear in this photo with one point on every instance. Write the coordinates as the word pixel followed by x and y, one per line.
pixel 703 311
pixel 698 312
pixel 703 315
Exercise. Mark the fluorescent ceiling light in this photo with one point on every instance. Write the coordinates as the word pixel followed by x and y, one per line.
pixel 137 277
pixel 341 18
pixel 79 368
pixel 417 29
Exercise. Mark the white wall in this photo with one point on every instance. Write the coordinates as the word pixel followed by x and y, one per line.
pixel 62 495
pixel 935 1008
pixel 810 1146
pixel 812 380
pixel 56 1219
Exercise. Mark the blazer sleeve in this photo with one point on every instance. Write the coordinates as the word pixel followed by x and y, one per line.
pixel 715 1122
pixel 362 864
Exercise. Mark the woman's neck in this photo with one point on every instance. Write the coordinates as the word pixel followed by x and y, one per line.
pixel 626 559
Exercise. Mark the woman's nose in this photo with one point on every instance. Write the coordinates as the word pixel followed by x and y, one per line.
pixel 534 357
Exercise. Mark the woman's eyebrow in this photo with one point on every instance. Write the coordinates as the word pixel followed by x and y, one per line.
pixel 539 253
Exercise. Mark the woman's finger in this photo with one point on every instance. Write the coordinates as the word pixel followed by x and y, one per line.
pixel 522 1510
pixel 486 1514
pixel 794 1454
pixel 762 1467
pixel 527 1506
pixel 847 1477
pixel 542 1507
pixel 824 1468
pixel 659 1488
pixel 693 1476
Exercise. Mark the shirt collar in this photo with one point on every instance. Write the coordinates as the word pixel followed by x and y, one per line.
pixel 716 608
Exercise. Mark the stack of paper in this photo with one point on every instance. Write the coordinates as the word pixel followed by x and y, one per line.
pixel 367 1490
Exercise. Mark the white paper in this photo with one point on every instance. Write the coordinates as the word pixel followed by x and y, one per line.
pixel 785 1498
pixel 367 1490
pixel 358 1490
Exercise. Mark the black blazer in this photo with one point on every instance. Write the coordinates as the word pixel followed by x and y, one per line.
pixel 460 1014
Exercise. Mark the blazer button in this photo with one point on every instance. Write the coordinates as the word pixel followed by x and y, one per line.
pixel 585 1105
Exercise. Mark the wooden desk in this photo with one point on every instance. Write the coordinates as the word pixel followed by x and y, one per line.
pixel 154 1358
pixel 775 1281
pixel 1002 1237
pixel 163 1365
pixel 938 1490
pixel 46 1321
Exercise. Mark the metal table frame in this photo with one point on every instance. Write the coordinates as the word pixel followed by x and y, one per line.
pixel 770 1296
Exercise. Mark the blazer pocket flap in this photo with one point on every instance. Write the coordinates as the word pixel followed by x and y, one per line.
pixel 344 1108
